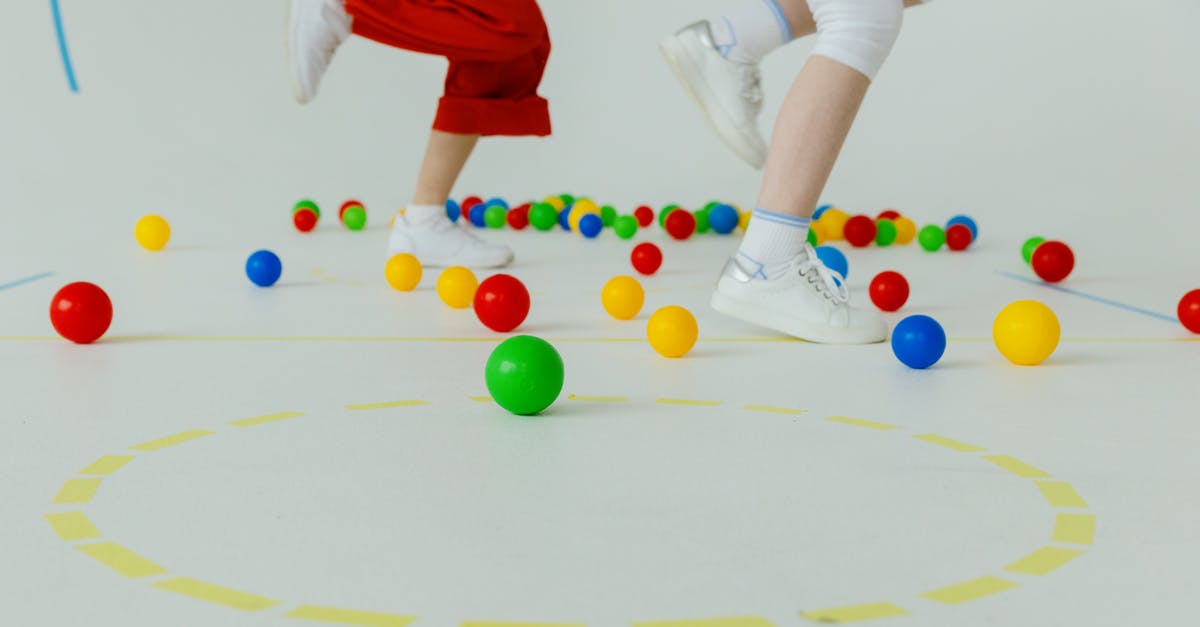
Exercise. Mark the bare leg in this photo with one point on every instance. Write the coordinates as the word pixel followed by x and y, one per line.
pixel 445 156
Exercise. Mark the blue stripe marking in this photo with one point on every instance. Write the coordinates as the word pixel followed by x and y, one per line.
pixel 1091 297
pixel 783 217
pixel 28 279
pixel 785 29
pixel 68 67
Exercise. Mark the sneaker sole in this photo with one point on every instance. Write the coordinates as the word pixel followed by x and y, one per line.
pixel 782 324
pixel 689 76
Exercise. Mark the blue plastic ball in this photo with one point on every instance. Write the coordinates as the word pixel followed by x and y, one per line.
pixel 453 211
pixel 918 342
pixel 723 219
pixel 820 210
pixel 263 268
pixel 965 221
pixel 590 225
pixel 564 218
pixel 497 202
pixel 834 260
pixel 477 215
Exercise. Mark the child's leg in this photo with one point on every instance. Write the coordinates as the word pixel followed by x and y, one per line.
pixel 445 156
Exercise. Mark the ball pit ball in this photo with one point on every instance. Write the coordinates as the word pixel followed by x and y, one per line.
pixel 81 312
pixel 885 232
pixel 889 290
pixel 564 218
pixel 1053 261
pixel 543 216
pixel 744 219
pixel 304 220
pixel 263 268
pixel 681 224
pixel 1029 246
pixel 702 225
pixel 888 214
pixel 918 342
pixel 556 202
pixel 355 218
pixel 835 221
pixel 497 202
pixel 1026 332
pixel 859 231
pixel 456 287
pixel 1189 311
pixel 476 215
pixel 817 236
pixel 495 217
pixel 567 199
pixel 646 258
pixel 906 231
pixel 931 237
pixel 723 219
pixel 623 297
pixel 524 375
pixel 152 232
pixel 403 272
pixel 820 212
pixel 591 225
pixel 625 226
pixel 608 215
pixel 834 259
pixel 965 221
pixel 346 205
pixel 662 214
pixel 812 238
pixel 307 204
pixel 453 211
pixel 672 331
pixel 518 218
pixel 958 237
pixel 644 216
pixel 469 202
pixel 501 302
pixel 583 207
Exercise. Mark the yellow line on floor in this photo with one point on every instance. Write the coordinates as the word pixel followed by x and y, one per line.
pixel 77 491
pixel 598 340
pixel 858 422
pixel 492 623
pixel 348 617
pixel 481 399
pixel 969 590
pixel 72 526
pixel 172 440
pixel 1060 494
pixel 745 621
pixel 1075 528
pixel 598 399
pixel 685 401
pixel 262 420
pixel 1043 561
pixel 121 559
pixel 1017 467
pixel 953 445
pixel 386 405
pixel 775 410
pixel 213 593
pixel 107 465
pixel 854 613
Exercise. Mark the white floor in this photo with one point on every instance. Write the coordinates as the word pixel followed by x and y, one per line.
pixel 758 504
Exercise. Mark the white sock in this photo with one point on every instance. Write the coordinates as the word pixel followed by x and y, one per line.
pixel 751 30
pixel 772 240
pixel 424 214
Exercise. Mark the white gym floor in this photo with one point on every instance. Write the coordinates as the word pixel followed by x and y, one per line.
pixel 757 481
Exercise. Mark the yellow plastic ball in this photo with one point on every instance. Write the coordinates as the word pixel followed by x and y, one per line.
pixel 672 331
pixel 456 287
pixel 906 230
pixel 1026 332
pixel 834 222
pixel 744 219
pixel 556 202
pixel 819 231
pixel 403 272
pixel 623 297
pixel 152 232
pixel 582 207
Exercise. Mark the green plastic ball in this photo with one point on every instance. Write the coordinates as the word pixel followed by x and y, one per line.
pixel 355 218
pixel 662 215
pixel 1031 245
pixel 608 215
pixel 931 237
pixel 701 221
pixel 567 199
pixel 710 204
pixel 307 204
pixel 495 217
pixel 524 375
pixel 812 237
pixel 885 232
pixel 625 226
pixel 542 216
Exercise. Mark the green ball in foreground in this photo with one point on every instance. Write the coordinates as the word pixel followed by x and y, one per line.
pixel 701 221
pixel 608 215
pixel 885 232
pixel 625 226
pixel 495 217
pixel 542 216
pixel 355 218
pixel 1031 245
pixel 524 375
pixel 931 237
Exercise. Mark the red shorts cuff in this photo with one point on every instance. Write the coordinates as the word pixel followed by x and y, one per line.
pixel 491 116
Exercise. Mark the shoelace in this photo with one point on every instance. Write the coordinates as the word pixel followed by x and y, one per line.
pixel 752 85
pixel 832 284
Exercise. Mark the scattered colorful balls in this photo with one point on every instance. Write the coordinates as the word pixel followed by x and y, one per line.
pixel 646 258
pixel 583 207
pixel 906 231
pixel 1029 246
pixel 965 221
pixel 859 231
pixel 885 232
pixel 403 272
pixel 355 218
pixel 346 205
pixel 477 215
pixel 1189 311
pixel 834 259
pixel 723 219
pixel 1053 261
pixel 1026 332
pixel 625 226
pixel 543 216
pixel 590 226
pixel 672 331
pixel 501 302
pixel 644 216
pixel 263 268
pixel 152 232
pixel 889 290
pixel 623 297
pixel 835 221
pixel 820 212
pixel 518 218
pixel 495 216
pixel 81 312
pixel 958 237
pixel 918 342
pixel 456 287
pixel 681 224
pixel 469 203
pixel 931 237
pixel 524 375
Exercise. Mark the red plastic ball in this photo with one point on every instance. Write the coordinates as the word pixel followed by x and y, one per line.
pixel 1052 261
pixel 501 302
pixel 860 231
pixel 644 216
pixel 518 218
pixel 888 214
pixel 346 205
pixel 958 237
pixel 889 290
pixel 305 220
pixel 1189 311
pixel 81 312
pixel 646 258
pixel 681 224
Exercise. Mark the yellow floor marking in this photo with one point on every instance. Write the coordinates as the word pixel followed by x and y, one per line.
pixel 853 613
pixel 1043 561
pixel 171 440
pixel 77 491
pixel 1016 466
pixel 481 399
pixel 1075 528
pixel 953 445
pixel 387 405
pixel 1061 494
pixel 492 623
pixel 261 420
pixel 213 593
pixel 72 526
pixel 969 590
pixel 121 559
pixel 349 617
pixel 747 621
pixel 107 465
pixel 774 410
pixel 684 401
pixel 598 399
pixel 858 422
pixel 337 338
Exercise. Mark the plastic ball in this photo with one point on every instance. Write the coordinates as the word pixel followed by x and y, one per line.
pixel 812 238
pixel 564 218
pixel 591 225
pixel 456 287
pixel 263 268
pixel 820 212
pixel 1029 246
pixel 1053 261
pixel 453 210
pixel 81 312
pixel 816 234
pixel 672 331
pixel 583 207
pixel 307 204
pixel 859 231
pixel 355 218
pixel 623 297
pixel 346 205
pixel 644 216
pixel 625 226
pixel 403 272
pixel 889 290
pixel 497 202
pixel 304 220
pixel 681 224
pixel 885 232
pixel 931 237
pixel 543 216
pixel 495 217
pixel 152 232
pixel 556 202
pixel 835 220
pixel 1189 311
pixel 1026 332
pixel 888 214
pixel 518 218
pixel 958 237
pixel 477 215
pixel 834 260
pixel 965 221
pixel 663 213
pixel 646 258
pixel 567 199
pixel 918 342
pixel 723 219
pixel 744 219
pixel 608 215
pixel 501 302
pixel 906 231
pixel 524 375
pixel 469 202
pixel 702 225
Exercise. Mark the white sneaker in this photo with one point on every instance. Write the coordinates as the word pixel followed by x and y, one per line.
pixel 729 93
pixel 806 302
pixel 315 29
pixel 443 244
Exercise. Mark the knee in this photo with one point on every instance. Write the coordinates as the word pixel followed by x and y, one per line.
pixel 858 33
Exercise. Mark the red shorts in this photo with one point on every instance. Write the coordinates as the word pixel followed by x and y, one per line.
pixel 497 51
